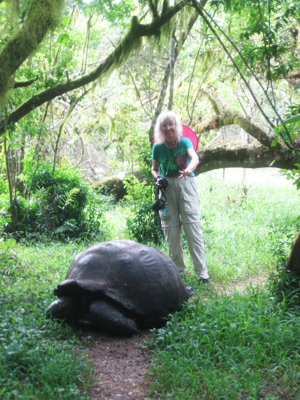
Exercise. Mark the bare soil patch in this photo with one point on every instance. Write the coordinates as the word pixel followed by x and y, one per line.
pixel 120 366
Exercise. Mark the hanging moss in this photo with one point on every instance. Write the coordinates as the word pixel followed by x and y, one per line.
pixel 163 35
pixel 205 60
pixel 184 17
pixel 41 16
pixel 124 49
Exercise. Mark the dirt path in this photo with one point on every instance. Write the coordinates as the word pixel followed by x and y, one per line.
pixel 119 366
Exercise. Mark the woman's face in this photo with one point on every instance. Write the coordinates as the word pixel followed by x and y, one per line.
pixel 168 129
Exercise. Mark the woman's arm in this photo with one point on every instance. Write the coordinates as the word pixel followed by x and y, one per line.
pixel 192 165
pixel 155 169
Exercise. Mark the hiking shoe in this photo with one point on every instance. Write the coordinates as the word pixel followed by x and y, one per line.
pixel 190 291
pixel 203 280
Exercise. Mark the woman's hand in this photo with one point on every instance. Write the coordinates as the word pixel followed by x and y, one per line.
pixel 185 172
pixel 192 165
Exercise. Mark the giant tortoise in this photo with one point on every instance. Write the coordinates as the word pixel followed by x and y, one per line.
pixel 119 286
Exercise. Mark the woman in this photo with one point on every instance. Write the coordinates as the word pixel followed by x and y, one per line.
pixel 174 158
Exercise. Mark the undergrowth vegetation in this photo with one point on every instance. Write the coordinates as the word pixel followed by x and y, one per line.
pixel 57 205
pixel 241 346
pixel 247 226
pixel 39 358
pixel 233 346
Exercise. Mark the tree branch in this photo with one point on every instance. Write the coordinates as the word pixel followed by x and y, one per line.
pixel 25 83
pixel 114 60
pixel 246 156
pixel 210 159
pixel 249 127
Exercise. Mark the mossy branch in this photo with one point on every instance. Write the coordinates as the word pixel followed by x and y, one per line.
pixel 245 156
pixel 153 8
pixel 113 61
pixel 249 127
pixel 41 16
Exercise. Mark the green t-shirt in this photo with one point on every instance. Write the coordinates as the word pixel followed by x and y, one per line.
pixel 172 161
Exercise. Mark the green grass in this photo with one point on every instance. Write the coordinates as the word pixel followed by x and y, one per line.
pixel 229 347
pixel 39 358
pixel 241 232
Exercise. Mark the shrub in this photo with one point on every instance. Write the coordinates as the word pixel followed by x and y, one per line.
pixel 61 206
pixel 65 204
pixel 143 224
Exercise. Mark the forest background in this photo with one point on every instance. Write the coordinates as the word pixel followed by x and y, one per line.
pixel 81 85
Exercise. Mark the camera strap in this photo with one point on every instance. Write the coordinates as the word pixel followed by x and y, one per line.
pixel 163 194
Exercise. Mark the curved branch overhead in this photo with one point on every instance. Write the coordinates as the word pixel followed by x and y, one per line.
pixel 248 126
pixel 24 84
pixel 117 57
pixel 241 155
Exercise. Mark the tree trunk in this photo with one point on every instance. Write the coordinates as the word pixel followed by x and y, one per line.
pixel 293 262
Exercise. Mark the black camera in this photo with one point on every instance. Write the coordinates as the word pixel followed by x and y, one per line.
pixel 163 182
pixel 159 204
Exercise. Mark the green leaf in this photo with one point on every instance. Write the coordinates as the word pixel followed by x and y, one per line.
pixel 275 141
pixel 63 38
pixel 10 243
pixel 293 120
pixel 66 21
pixel 15 146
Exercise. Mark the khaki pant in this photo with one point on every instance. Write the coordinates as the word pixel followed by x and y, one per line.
pixel 182 208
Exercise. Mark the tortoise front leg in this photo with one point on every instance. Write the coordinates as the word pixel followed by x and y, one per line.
pixel 109 318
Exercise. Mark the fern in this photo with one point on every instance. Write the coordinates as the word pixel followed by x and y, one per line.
pixel 41 194
pixel 69 198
